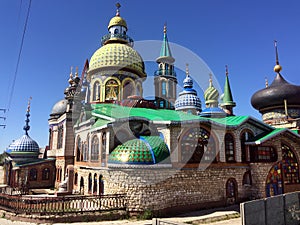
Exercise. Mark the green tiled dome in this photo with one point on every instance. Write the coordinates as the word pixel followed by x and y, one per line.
pixel 145 150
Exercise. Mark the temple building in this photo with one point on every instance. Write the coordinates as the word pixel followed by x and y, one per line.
pixel 169 153
pixel 24 168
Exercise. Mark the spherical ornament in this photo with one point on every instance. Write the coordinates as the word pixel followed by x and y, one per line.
pixel 277 68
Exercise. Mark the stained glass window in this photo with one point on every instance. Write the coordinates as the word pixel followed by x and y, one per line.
pixel 229 148
pixel 95 149
pixel 263 154
pixel 274 181
pixel 103 149
pixel 290 165
pixel 196 145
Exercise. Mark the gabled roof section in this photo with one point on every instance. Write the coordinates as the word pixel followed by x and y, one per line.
pixel 259 139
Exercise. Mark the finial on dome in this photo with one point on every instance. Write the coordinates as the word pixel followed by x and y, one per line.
pixel 118 5
pixel 210 79
pixel 277 68
pixel 226 70
pixel 266 82
pixel 165 28
pixel 187 72
pixel 71 75
pixel 27 127
pixel 76 73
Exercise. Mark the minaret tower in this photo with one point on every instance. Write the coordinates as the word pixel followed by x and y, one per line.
pixel 228 104
pixel 165 80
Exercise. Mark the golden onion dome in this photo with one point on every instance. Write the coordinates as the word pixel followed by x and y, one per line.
pixel 120 56
pixel 117 21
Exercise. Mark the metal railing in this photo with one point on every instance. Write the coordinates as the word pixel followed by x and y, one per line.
pixel 62 204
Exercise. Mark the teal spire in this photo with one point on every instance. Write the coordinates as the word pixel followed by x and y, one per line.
pixel 165 50
pixel 227 97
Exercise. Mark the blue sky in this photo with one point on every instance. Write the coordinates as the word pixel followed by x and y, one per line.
pixel 61 34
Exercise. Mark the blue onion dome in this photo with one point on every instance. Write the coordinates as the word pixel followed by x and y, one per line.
pixel 59 108
pixel 147 150
pixel 211 95
pixel 24 147
pixel 188 100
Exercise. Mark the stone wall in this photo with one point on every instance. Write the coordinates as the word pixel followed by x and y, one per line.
pixel 170 190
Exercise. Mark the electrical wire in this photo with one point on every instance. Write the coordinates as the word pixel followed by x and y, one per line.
pixel 19 57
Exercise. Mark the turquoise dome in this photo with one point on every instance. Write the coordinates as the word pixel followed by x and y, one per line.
pixel 145 150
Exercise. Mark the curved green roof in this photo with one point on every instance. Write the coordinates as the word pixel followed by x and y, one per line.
pixel 145 150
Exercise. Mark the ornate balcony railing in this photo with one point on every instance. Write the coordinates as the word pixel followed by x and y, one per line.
pixel 171 73
pixel 63 204
pixel 125 37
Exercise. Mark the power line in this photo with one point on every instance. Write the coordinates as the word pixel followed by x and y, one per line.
pixel 19 57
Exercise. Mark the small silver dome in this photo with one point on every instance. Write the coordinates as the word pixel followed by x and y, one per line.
pixel 60 107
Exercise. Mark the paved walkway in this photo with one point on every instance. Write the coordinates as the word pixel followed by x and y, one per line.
pixel 201 217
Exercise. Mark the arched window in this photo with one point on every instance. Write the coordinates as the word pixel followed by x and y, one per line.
pixel 290 165
pixel 247 179
pixel 78 150
pixel 231 191
pixel 33 174
pixel 85 151
pixel 90 183
pixel 50 138
pixel 96 91
pixel 81 188
pixel 76 179
pixel 60 136
pixel 101 185
pixel 128 89
pixel 95 184
pixel 196 146
pixel 95 149
pixel 46 174
pixel 103 149
pixel 246 135
pixel 116 31
pixel 111 90
pixel 229 148
pixel 163 88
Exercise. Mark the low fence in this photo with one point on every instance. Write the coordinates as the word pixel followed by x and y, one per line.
pixel 62 204
pixel 281 209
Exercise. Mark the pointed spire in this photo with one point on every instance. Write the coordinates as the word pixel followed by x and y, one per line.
pixel 227 97
pixel 277 68
pixel 118 5
pixel 27 127
pixel 76 73
pixel 165 48
pixel 266 82
pixel 210 80
pixel 187 72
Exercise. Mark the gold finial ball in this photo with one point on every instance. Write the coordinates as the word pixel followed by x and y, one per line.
pixel 277 68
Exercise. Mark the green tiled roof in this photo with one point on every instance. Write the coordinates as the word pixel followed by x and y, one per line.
pixel 32 162
pixel 265 136
pixel 100 123
pixel 146 150
pixel 119 112
pixel 231 120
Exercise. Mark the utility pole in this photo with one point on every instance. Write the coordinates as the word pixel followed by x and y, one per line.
pixel 3 118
